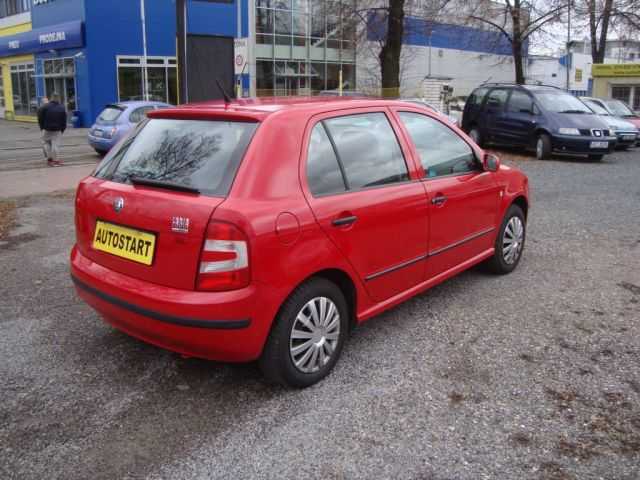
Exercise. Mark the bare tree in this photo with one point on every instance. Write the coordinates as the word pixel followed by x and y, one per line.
pixel 385 27
pixel 603 16
pixel 517 21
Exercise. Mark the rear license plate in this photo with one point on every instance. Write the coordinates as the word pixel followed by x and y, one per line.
pixel 599 145
pixel 124 242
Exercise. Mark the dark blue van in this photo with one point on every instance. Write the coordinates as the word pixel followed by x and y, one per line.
pixel 545 119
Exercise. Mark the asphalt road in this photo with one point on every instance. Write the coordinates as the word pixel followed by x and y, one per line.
pixel 21 148
pixel 534 375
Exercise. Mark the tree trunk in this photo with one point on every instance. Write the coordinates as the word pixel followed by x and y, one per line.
pixel 516 42
pixel 516 47
pixel 599 45
pixel 390 52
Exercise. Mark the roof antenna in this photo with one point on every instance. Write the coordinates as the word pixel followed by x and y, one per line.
pixel 225 95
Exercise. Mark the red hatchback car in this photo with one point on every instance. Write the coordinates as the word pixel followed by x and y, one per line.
pixel 267 229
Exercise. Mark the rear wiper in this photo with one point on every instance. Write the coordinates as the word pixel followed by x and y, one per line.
pixel 162 184
pixel 573 111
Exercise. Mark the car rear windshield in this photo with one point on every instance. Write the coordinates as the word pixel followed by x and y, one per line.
pixel 111 113
pixel 202 155
pixel 561 102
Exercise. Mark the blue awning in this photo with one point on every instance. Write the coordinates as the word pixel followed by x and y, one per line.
pixel 53 37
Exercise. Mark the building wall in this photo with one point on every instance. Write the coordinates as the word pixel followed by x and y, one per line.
pixel 467 55
pixel 115 28
pixel 10 26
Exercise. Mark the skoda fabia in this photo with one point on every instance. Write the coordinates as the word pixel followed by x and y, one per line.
pixel 266 230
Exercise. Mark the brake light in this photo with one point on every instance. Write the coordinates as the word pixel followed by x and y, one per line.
pixel 110 133
pixel 224 261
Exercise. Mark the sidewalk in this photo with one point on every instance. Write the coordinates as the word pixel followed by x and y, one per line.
pixel 21 147
pixel 22 183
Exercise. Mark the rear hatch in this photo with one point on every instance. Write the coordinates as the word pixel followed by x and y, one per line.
pixel 145 211
pixel 104 126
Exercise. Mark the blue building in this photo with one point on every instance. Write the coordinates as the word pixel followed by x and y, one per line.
pixel 92 52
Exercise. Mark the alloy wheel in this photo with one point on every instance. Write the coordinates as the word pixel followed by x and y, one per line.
pixel 314 335
pixel 512 240
pixel 539 148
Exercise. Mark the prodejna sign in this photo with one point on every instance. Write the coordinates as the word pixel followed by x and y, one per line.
pixel 41 2
pixel 53 37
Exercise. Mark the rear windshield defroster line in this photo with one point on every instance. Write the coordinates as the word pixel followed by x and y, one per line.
pixel 193 155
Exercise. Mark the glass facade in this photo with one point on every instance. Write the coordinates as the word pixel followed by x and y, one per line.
pixel 302 45
pixel 161 79
pixel 13 7
pixel 23 84
pixel 1 89
pixel 59 77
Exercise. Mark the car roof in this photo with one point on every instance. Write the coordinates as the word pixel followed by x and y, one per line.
pixel 261 107
pixel 530 88
pixel 136 103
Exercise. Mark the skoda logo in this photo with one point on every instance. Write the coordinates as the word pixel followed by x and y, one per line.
pixel 118 204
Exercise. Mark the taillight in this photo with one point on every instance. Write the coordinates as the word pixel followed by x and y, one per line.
pixel 224 261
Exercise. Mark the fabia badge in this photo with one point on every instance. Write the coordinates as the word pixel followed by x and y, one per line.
pixel 180 224
pixel 118 204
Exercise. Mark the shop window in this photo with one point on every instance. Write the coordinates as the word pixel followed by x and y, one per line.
pixel 59 77
pixel 24 89
pixel 1 89
pixel 14 7
pixel 621 93
pixel 161 79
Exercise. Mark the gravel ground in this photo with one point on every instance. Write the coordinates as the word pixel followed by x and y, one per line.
pixel 534 375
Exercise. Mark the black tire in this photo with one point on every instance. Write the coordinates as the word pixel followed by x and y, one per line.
pixel 476 136
pixel 276 361
pixel 497 264
pixel 543 147
pixel 102 153
pixel 596 158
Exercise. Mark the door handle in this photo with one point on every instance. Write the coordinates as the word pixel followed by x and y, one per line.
pixel 439 199
pixel 342 221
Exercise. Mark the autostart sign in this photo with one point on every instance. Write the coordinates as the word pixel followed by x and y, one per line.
pixel 240 54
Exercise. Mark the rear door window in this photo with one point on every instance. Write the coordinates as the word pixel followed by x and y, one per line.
pixel 368 150
pixel 198 154
pixel 477 96
pixel 323 171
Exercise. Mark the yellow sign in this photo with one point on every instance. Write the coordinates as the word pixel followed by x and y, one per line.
pixel 124 242
pixel 616 70
pixel 578 74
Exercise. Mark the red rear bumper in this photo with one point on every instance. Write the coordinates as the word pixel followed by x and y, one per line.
pixel 224 326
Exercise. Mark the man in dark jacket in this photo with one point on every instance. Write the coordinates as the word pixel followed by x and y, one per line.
pixel 52 119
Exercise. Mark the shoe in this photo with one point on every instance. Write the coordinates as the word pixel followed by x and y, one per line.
pixel 58 163
pixel 51 163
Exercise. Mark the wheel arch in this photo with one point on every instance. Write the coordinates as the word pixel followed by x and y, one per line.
pixel 346 285
pixel 522 202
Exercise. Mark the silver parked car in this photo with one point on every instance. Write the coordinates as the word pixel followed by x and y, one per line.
pixel 626 132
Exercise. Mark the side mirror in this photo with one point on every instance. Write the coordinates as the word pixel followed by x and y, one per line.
pixel 491 162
